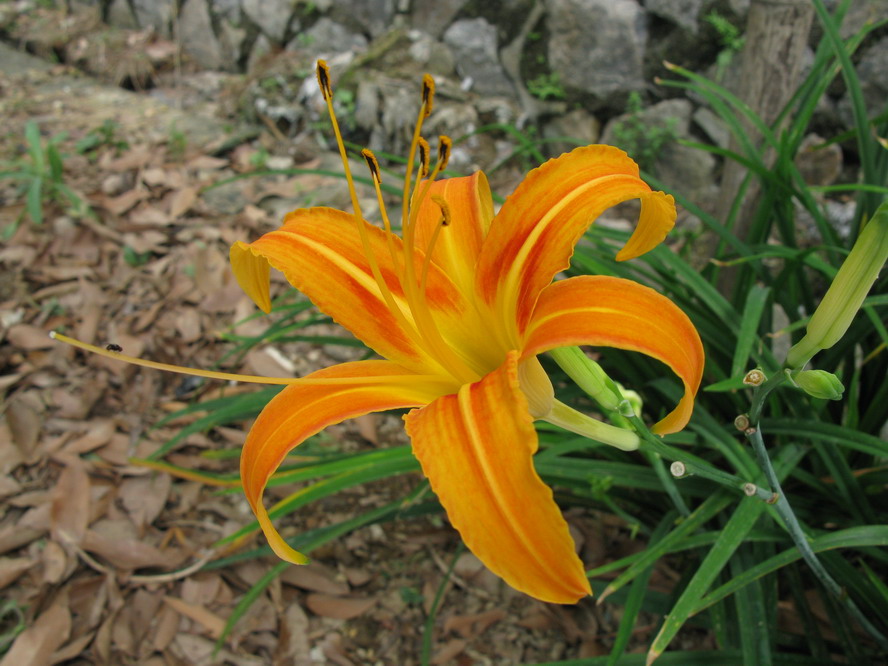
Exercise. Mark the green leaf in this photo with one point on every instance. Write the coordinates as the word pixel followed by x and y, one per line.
pixel 34 201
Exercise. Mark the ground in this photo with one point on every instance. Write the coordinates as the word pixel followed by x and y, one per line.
pixel 104 561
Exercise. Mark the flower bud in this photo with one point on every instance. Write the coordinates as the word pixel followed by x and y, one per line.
pixel 847 291
pixel 819 384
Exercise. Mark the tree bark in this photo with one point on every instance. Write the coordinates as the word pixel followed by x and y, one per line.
pixel 776 36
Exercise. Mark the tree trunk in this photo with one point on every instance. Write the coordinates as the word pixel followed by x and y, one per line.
pixel 776 36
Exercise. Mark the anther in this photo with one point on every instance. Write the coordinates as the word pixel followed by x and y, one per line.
pixel 444 146
pixel 428 93
pixel 372 164
pixel 424 151
pixel 323 71
pixel 445 208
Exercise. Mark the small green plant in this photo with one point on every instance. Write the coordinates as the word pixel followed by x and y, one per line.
pixel 40 174
pixel 546 86
pixel 133 258
pixel 177 143
pixel 730 38
pixel 103 135
pixel 641 138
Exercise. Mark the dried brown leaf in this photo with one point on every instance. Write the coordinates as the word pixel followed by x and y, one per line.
pixel 28 337
pixel 23 417
pixel 145 497
pixel 69 515
pixel 339 608
pixel 120 204
pixel 54 562
pixel 293 647
pixel 13 537
pixel 315 577
pixel 367 424
pixel 200 614
pixel 119 546
pixel 470 626
pixel 13 567
pixel 451 650
pixel 182 201
pixel 36 644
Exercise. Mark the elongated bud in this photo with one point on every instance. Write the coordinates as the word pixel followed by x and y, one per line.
pixel 428 93
pixel 444 147
pixel 372 164
pixel 323 72
pixel 588 375
pixel 847 291
pixel 818 383
pixel 424 151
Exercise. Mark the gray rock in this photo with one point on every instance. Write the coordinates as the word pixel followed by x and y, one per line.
pixel 327 35
pixel 597 46
pixel 198 38
pixel 674 113
pixel 434 17
pixel 154 14
pixel 434 56
pixel 121 16
pixel 859 13
pixel 682 12
pixel 579 124
pixel 272 16
pixel 373 17
pixel 261 48
pixel 227 9
pixel 819 164
pixel 231 40
pixel 713 126
pixel 474 46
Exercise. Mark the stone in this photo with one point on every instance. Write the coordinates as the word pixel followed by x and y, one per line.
pixel 818 164
pixel 327 35
pixel 434 17
pixel 154 14
pixel 578 124
pixel 227 9
pixel 272 16
pixel 681 12
pixel 597 46
pixel 231 42
pixel 713 126
pixel 197 35
pixel 121 16
pixel 475 50
pixel 370 17
pixel 261 48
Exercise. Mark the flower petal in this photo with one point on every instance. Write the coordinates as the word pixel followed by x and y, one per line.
pixel 305 408
pixel 320 252
pixel 477 449
pixel 533 235
pixel 609 311
pixel 471 210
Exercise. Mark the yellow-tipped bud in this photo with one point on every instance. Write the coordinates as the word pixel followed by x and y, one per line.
pixel 323 72
pixel 424 151
pixel 428 93
pixel 847 291
pixel 445 145
pixel 373 165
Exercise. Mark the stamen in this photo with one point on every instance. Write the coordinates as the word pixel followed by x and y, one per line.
pixel 372 164
pixel 236 377
pixel 411 329
pixel 428 93
pixel 445 145
pixel 323 71
pixel 424 151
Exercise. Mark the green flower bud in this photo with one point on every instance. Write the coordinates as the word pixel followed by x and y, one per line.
pixel 847 291
pixel 588 375
pixel 819 384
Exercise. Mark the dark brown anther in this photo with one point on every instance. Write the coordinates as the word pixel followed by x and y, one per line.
pixel 428 93
pixel 373 165
pixel 424 151
pixel 323 71
pixel 444 146
pixel 113 347
pixel 445 209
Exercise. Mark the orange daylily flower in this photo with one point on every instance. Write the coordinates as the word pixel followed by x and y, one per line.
pixel 459 307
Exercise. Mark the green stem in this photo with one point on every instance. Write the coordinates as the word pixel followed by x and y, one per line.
pixel 791 522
